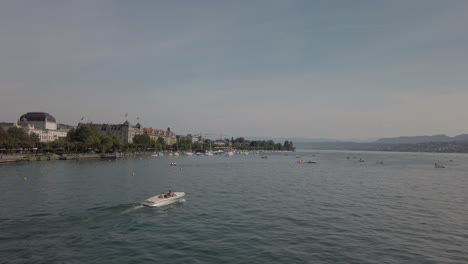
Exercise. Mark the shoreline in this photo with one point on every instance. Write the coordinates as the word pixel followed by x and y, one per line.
pixel 5 159
pixel 16 158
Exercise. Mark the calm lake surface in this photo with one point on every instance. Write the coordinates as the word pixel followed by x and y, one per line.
pixel 240 209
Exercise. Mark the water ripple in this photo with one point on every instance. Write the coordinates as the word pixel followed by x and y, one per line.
pixel 238 210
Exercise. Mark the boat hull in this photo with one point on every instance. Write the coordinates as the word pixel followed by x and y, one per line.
pixel 156 201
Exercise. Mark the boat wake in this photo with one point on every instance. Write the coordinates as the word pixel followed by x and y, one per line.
pixel 132 209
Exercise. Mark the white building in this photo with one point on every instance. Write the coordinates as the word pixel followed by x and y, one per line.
pixel 124 131
pixel 42 124
pixel 39 120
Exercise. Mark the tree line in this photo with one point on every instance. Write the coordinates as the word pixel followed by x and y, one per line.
pixel 89 139
pixel 15 137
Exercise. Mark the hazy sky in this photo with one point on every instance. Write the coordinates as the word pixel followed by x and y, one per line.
pixel 334 69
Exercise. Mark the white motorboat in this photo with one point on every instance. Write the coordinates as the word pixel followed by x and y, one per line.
pixel 229 153
pixel 163 199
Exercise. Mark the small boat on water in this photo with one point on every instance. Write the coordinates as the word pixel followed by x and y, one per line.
pixel 311 162
pixel 164 199
pixel 264 157
pixel 173 164
pixel 438 166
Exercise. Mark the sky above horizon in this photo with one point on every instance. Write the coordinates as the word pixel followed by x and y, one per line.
pixel 313 69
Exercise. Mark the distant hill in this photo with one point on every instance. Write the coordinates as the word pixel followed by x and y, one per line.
pixel 336 145
pixel 422 139
pixel 463 137
pixel 293 139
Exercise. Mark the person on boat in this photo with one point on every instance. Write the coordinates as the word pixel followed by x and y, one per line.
pixel 169 194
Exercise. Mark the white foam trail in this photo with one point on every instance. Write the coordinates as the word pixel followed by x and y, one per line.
pixel 132 209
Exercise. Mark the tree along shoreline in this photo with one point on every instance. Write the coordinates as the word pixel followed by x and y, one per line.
pixel 90 142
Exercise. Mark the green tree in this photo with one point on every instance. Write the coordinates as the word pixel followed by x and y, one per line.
pixel 92 142
pixel 83 134
pixel 34 138
pixel 117 143
pixel 18 138
pixel 286 145
pixel 3 136
pixel 105 143
pixel 143 140
pixel 161 143
pixel 59 144
pixel 278 146
pixel 291 146
pixel 84 138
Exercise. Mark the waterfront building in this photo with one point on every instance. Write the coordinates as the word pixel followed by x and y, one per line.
pixel 219 143
pixel 167 135
pixel 197 138
pixel 171 137
pixel 153 133
pixel 124 131
pixel 48 135
pixel 40 123
pixel 39 120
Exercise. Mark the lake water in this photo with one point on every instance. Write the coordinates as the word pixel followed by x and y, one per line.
pixel 240 209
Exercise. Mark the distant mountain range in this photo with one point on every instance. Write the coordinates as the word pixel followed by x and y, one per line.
pixel 422 139
pixel 392 140
pixel 435 143
pixel 312 140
